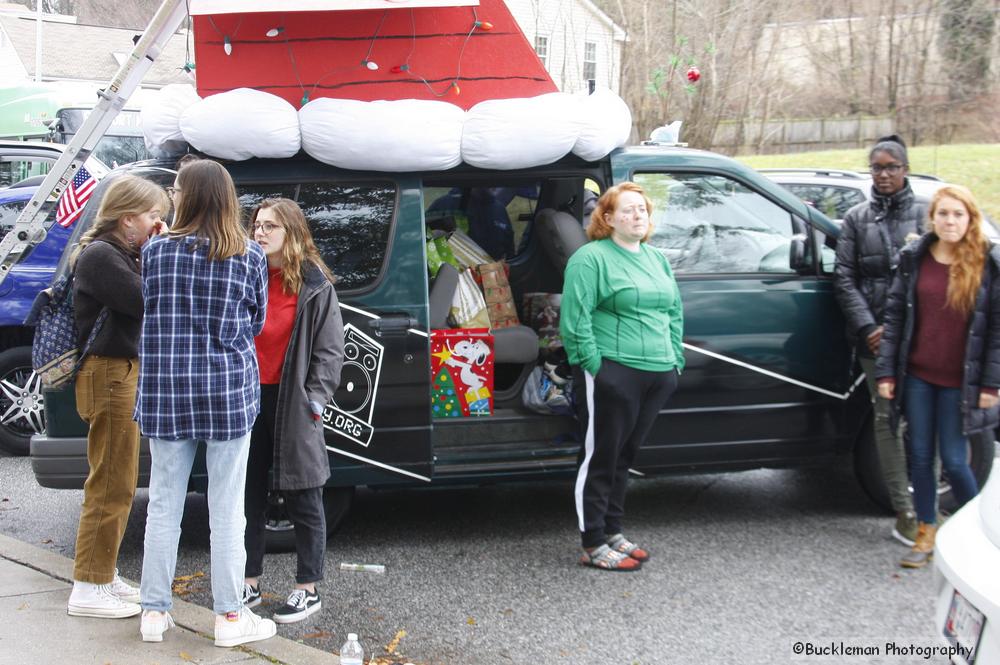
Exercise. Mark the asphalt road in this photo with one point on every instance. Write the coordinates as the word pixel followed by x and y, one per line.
pixel 744 565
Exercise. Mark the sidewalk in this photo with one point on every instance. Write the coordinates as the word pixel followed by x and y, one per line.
pixel 35 630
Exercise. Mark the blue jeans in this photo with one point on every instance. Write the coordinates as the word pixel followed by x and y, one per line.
pixel 168 483
pixel 934 410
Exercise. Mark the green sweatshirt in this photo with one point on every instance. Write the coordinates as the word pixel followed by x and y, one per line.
pixel 623 306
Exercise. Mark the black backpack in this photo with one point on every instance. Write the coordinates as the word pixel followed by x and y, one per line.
pixel 54 353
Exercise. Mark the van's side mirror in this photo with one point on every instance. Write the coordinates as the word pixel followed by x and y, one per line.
pixel 798 254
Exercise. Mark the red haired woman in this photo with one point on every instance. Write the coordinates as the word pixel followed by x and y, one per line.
pixel 940 354
pixel 622 324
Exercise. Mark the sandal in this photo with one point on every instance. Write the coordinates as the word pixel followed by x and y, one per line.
pixel 623 545
pixel 605 558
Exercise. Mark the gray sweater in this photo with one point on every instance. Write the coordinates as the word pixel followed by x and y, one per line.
pixel 107 275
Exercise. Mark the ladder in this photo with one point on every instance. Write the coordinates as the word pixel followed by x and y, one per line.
pixel 28 230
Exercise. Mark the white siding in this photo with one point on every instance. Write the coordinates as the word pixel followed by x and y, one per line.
pixel 12 70
pixel 568 24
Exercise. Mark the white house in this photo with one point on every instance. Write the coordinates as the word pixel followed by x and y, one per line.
pixel 575 40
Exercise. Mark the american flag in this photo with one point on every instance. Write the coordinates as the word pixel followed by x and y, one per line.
pixel 73 199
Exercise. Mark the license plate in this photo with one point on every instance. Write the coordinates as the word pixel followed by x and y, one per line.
pixel 964 625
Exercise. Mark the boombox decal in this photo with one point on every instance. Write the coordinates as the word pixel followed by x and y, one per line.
pixel 350 412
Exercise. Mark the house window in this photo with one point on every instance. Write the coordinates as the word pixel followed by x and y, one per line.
pixel 589 61
pixel 542 49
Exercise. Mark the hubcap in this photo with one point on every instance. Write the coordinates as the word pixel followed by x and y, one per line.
pixel 21 402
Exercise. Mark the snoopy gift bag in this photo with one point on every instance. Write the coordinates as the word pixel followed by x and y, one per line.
pixel 461 372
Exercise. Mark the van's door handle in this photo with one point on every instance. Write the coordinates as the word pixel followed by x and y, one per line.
pixel 393 324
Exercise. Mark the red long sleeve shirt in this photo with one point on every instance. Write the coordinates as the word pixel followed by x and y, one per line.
pixel 938 351
pixel 272 342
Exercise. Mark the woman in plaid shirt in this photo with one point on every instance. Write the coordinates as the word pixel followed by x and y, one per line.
pixel 205 291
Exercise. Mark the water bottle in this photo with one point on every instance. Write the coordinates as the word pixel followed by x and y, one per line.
pixel 352 653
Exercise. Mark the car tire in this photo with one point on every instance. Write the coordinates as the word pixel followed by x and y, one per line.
pixel 21 412
pixel 868 470
pixel 279 531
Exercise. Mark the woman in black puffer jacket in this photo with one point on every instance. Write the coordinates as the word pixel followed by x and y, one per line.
pixel 940 354
pixel 867 254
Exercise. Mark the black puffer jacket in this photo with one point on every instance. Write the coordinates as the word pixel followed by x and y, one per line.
pixel 867 254
pixel 982 347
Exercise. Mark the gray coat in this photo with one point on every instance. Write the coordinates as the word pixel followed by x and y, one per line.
pixel 311 373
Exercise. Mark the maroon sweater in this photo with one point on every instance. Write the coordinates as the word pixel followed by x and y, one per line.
pixel 938 351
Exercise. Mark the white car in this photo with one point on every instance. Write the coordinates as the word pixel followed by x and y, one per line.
pixel 833 191
pixel 967 572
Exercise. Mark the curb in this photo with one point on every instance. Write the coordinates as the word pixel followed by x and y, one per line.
pixel 189 616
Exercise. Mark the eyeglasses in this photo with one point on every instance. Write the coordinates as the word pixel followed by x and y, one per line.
pixel 891 169
pixel 266 227
pixel 173 190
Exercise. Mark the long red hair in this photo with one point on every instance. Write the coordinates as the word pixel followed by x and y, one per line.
pixel 966 272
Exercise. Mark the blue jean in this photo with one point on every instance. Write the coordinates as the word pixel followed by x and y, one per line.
pixel 168 483
pixel 933 410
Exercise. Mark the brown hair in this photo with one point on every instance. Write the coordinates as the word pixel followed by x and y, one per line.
pixel 298 248
pixel 599 228
pixel 126 195
pixel 966 272
pixel 209 209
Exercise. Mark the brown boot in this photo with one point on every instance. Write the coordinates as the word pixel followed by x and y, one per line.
pixel 923 549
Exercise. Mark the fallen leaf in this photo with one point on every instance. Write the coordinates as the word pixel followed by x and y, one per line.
pixel 23 606
pixel 508 612
pixel 470 621
pixel 391 647
pixel 186 656
pixel 188 578
pixel 46 541
pixel 267 595
pixel 319 634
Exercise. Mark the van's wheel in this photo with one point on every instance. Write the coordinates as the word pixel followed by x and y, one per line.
pixel 869 472
pixel 279 532
pixel 21 413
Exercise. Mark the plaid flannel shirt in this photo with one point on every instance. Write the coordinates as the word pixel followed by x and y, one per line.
pixel 198 376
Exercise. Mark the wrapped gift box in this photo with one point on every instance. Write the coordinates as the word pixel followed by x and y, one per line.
pixel 461 372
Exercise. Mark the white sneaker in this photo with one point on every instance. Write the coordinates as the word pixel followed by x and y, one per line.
pixel 99 601
pixel 153 624
pixel 242 627
pixel 124 590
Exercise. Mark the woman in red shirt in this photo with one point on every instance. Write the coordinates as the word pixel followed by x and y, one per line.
pixel 939 359
pixel 300 352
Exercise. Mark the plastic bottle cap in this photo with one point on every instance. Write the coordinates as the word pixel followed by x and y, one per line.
pixel 352 636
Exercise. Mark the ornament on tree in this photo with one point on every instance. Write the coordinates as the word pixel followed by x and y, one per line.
pixel 693 74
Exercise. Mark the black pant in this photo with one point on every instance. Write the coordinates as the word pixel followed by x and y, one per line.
pixel 616 410
pixel 304 507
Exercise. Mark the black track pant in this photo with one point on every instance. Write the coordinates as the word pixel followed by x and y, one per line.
pixel 616 410
pixel 304 507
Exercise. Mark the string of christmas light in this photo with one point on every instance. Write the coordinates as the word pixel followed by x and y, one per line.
pixel 227 40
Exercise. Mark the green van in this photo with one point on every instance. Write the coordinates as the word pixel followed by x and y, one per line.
pixel 770 379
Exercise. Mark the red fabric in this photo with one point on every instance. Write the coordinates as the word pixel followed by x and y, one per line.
pixel 938 352
pixel 328 49
pixel 272 342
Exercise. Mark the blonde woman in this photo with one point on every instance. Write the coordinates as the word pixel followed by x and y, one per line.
pixel 107 292
pixel 205 287
pixel 300 352
pixel 939 360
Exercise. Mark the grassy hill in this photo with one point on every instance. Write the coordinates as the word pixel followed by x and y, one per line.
pixel 977 166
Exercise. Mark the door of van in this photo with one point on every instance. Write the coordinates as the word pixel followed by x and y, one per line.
pixel 769 371
pixel 370 234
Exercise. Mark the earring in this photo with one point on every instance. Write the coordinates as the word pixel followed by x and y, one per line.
pixel 130 237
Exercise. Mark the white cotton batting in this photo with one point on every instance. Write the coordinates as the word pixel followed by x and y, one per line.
pixel 402 135
pixel 605 124
pixel 242 123
pixel 520 133
pixel 161 115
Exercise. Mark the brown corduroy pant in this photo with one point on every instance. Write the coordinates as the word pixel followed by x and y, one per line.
pixel 105 400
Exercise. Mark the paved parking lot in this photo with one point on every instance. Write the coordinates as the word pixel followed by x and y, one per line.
pixel 745 565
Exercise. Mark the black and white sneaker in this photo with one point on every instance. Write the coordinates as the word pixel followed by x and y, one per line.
pixel 251 595
pixel 300 604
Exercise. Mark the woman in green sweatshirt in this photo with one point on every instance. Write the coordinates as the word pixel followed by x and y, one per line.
pixel 622 325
